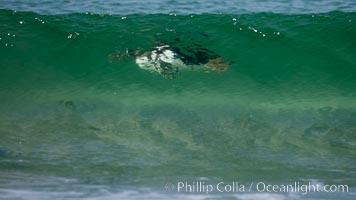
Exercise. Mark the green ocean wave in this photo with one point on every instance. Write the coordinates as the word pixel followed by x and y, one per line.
pixel 284 109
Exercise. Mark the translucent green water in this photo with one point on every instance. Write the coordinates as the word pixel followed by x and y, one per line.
pixel 76 124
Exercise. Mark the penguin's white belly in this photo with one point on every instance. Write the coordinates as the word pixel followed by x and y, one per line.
pixel 158 60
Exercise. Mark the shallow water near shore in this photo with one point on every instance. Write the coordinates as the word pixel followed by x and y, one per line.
pixel 75 124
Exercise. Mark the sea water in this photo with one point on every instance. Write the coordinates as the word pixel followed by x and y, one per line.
pixel 77 124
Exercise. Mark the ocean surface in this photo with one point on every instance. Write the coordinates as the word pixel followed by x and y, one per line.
pixel 77 124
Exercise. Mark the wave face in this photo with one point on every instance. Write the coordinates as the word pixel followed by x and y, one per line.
pixel 76 123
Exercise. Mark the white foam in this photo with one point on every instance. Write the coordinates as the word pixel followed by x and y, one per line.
pixel 267 196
